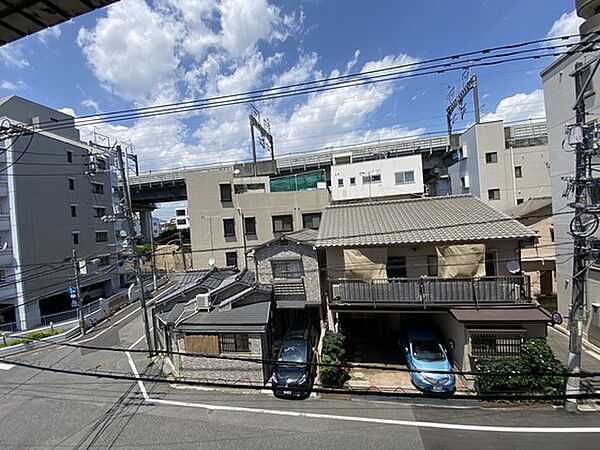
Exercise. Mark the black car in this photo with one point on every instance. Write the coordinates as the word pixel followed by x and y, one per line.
pixel 293 375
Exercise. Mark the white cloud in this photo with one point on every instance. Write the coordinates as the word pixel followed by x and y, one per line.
pixel 68 111
pixel 132 50
pixel 48 34
pixel 10 86
pixel 566 24
pixel 519 107
pixel 92 104
pixel 257 18
pixel 11 55
pixel 298 73
pixel 352 62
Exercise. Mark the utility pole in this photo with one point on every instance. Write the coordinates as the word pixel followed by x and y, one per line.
pixel 128 210
pixel 181 248
pixel 583 225
pixel 78 291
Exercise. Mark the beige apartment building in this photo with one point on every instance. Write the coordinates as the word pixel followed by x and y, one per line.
pixel 230 215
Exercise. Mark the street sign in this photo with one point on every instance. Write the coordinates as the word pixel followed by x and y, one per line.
pixel 557 318
pixel 74 303
pixel 72 291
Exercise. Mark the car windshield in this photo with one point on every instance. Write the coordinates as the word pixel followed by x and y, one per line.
pixel 293 352
pixel 427 350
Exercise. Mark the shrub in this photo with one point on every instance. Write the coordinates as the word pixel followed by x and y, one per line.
pixel 333 345
pixel 537 362
pixel 334 373
pixel 34 336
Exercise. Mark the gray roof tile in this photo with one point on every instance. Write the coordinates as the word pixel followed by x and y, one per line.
pixel 458 218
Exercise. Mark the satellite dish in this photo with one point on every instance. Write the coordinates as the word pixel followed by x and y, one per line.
pixel 513 267
pixel 211 262
pixel 236 172
pixel 4 245
pixel 123 233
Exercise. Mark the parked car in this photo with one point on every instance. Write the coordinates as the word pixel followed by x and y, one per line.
pixel 424 352
pixel 293 375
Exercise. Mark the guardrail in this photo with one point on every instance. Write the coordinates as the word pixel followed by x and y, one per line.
pixel 70 314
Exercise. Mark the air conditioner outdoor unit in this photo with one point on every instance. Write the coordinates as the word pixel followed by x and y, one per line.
pixel 203 302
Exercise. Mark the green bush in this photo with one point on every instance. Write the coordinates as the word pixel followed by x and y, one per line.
pixel 333 345
pixel 334 374
pixel 537 360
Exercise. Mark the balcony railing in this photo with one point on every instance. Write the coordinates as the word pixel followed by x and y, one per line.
pixel 431 292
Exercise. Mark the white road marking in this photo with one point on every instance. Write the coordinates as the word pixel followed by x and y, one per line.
pixel 5 366
pixel 137 375
pixel 403 423
pixel 136 342
pixel 113 325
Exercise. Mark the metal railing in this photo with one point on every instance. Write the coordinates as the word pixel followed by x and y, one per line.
pixel 10 326
pixel 428 291
pixel 70 314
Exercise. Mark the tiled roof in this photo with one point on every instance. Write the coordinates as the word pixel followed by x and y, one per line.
pixel 529 207
pixel 458 218
pixel 305 236
pixel 253 314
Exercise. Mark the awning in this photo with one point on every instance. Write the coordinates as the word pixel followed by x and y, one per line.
pixel 500 315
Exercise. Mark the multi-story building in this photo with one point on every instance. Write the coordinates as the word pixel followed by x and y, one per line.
pixel 563 80
pixel 503 166
pixel 51 204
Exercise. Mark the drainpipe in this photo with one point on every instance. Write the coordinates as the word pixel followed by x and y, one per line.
pixel 514 179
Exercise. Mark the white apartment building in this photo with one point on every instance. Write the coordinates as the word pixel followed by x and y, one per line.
pixel 503 166
pixel 50 204
pixel 376 179
pixel 560 79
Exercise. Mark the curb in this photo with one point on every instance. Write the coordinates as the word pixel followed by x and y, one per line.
pixel 13 349
pixel 592 349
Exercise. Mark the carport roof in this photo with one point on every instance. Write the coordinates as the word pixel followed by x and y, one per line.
pixel 457 218
pixel 20 18
pixel 513 315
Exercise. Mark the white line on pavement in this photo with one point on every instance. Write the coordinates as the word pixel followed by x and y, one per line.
pixel 113 325
pixel 5 366
pixel 405 423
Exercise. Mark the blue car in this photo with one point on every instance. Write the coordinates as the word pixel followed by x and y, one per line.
pixel 424 352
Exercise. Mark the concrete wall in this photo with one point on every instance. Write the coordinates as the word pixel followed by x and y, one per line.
pixel 559 97
pixel 387 187
pixel 206 213
pixel 223 370
pixel 308 255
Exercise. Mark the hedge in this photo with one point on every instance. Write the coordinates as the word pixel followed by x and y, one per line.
pixel 536 358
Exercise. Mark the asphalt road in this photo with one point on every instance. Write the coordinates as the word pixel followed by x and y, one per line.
pixel 40 409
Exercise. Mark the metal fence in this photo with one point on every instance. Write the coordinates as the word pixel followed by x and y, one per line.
pixel 70 314
pixel 496 344
pixel 10 326
pixel 428 291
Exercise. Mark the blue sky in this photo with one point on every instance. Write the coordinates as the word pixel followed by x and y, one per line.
pixel 139 53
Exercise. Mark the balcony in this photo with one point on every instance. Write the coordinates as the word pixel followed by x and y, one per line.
pixel 289 293
pixel 428 292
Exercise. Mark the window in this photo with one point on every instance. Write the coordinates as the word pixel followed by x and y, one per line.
pixel 73 210
pixel 101 164
pixel 491 157
pixel 69 156
pixel 180 212
pixel 228 227
pixel 234 343
pixel 291 268
pixel 432 266
pixel 250 226
pixel 505 344
pixel 181 221
pixel 225 190
pixel 99 211
pixel 75 237
pixel 464 182
pixel 371 178
pixel 581 76
pixel 71 184
pixel 405 177
pixel 340 182
pixel 103 261
pixel 396 267
pixel 101 236
pixel 249 187
pixel 518 172
pixel 231 259
pixel 97 188
pixel 311 220
pixel 519 201
pixel 283 223
pixel 552 233
pixel 490 264
pixel 352 181
pixel 494 194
